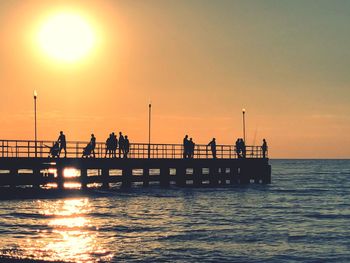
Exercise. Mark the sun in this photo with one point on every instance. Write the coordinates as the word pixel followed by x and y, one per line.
pixel 66 37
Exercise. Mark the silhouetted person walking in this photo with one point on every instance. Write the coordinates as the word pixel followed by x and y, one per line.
pixel 63 144
pixel 212 145
pixel 185 146
pixel 126 146
pixel 264 148
pixel 121 144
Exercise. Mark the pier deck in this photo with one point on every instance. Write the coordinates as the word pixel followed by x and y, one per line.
pixel 26 163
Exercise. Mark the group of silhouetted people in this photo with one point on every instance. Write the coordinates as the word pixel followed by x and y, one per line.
pixel 122 143
pixel 240 148
pixel 112 144
pixel 188 148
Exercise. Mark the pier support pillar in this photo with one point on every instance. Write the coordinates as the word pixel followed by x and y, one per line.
pixel 181 176
pixel 37 178
pixel 145 176
pixel 266 177
pixel 105 178
pixel 13 178
pixel 164 177
pixel 213 176
pixel 83 178
pixel 222 176
pixel 197 176
pixel 60 178
pixel 244 175
pixel 233 175
pixel 126 178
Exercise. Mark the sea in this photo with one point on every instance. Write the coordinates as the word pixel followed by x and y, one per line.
pixel 303 216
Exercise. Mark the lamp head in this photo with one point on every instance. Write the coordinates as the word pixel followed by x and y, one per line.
pixel 35 93
pixel 243 110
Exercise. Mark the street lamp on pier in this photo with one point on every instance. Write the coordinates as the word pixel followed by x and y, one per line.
pixel 243 112
pixel 149 129
pixel 35 94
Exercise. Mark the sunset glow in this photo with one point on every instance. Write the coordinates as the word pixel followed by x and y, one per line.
pixel 96 64
pixel 66 37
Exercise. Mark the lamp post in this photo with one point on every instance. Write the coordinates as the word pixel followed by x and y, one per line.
pixel 149 129
pixel 243 112
pixel 35 128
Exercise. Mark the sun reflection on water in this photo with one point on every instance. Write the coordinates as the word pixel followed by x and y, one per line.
pixel 71 235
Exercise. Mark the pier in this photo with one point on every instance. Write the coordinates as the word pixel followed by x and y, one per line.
pixel 27 163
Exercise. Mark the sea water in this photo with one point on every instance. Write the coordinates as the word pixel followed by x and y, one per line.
pixel 303 216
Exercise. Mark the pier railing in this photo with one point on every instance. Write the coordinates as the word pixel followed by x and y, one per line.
pixel 41 149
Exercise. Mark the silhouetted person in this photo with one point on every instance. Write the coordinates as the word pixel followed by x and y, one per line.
pixel 185 145
pixel 93 144
pixel 63 144
pixel 126 146
pixel 238 148
pixel 243 148
pixel 212 145
pixel 109 146
pixel 114 144
pixel 264 148
pixel 121 144
pixel 191 146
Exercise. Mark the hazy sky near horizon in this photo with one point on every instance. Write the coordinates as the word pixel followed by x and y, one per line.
pixel 199 62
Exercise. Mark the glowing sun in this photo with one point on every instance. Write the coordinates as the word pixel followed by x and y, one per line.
pixel 66 37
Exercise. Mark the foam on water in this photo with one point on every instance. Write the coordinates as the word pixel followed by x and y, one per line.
pixel 303 216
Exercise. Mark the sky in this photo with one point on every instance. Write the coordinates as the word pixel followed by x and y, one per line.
pixel 199 62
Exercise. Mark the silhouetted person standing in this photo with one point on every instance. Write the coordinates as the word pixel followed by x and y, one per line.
pixel 243 148
pixel 212 145
pixel 93 144
pixel 109 146
pixel 63 144
pixel 264 148
pixel 114 144
pixel 126 146
pixel 191 146
pixel 121 144
pixel 185 146
pixel 238 148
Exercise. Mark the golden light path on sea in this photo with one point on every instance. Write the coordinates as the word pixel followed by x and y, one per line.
pixel 73 236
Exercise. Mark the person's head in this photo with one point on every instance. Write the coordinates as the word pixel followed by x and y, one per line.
pixel 112 133
pixel 126 136
pixel 264 140
pixel 61 132
pixel 191 139
pixel 120 133
pixel 92 135
pixel 214 139
pixel 186 136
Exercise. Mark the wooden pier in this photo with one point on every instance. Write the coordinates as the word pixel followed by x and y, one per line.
pixel 26 163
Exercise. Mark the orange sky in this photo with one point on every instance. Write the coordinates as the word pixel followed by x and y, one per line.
pixel 200 63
